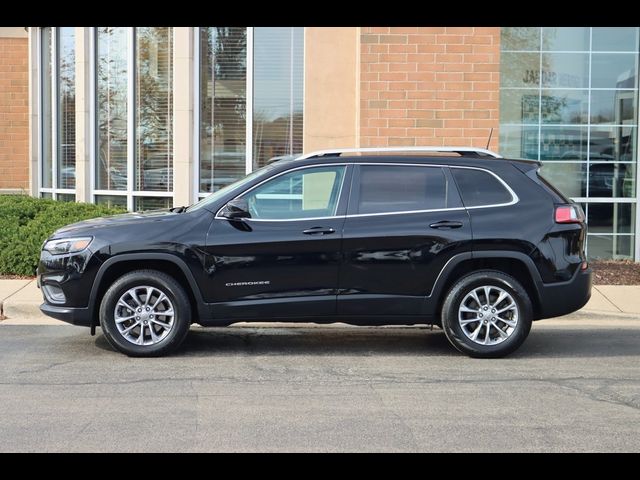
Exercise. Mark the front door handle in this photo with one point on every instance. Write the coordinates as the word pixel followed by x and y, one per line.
pixel 318 231
pixel 446 224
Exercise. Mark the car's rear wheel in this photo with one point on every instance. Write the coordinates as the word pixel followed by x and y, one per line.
pixel 145 313
pixel 487 314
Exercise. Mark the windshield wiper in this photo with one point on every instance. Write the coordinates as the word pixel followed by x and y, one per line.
pixel 177 209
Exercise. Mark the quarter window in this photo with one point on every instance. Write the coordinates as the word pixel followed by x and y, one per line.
pixel 387 189
pixel 479 188
pixel 307 193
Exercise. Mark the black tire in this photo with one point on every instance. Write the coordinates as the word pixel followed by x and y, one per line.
pixel 454 331
pixel 164 283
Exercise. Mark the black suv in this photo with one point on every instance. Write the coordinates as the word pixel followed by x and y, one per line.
pixel 457 237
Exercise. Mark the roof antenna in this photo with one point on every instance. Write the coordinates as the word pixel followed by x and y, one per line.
pixel 490 135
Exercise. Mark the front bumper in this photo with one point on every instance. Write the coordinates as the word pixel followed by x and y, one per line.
pixel 562 298
pixel 72 315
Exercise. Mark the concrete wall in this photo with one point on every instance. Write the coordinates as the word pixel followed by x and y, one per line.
pixel 14 110
pixel 331 95
pixel 423 86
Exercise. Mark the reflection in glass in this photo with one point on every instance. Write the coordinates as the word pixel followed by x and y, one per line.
pixel 47 141
pixel 613 144
pixel 520 38
pixel 223 98
pixel 565 38
pixel 111 108
pixel 614 106
pixel 569 178
pixel 614 70
pixel 519 69
pixel 66 197
pixel 519 142
pixel 615 39
pixel 154 109
pixel 565 106
pixel 519 106
pixel 610 246
pixel 112 200
pixel 66 108
pixel 46 195
pixel 141 204
pixel 610 179
pixel 563 143
pixel 278 72
pixel 611 217
pixel 565 70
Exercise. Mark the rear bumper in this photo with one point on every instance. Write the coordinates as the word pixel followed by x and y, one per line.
pixel 72 315
pixel 566 297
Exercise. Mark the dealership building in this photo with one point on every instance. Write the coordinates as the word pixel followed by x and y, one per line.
pixel 151 117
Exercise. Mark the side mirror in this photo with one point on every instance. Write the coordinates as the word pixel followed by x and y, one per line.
pixel 237 208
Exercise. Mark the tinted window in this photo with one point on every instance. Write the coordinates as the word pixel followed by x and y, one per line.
pixel 480 188
pixel 306 193
pixel 402 188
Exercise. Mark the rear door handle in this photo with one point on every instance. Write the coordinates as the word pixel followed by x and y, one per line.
pixel 318 231
pixel 446 224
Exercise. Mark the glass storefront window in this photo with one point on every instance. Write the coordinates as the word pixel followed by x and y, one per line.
pixel 111 108
pixel 574 39
pixel 614 70
pixel 520 38
pixel 112 200
pixel 611 217
pixel 67 108
pixel 564 106
pixel 615 39
pixel 154 109
pixel 141 204
pixel 223 102
pixel 57 110
pixel 619 247
pixel 584 83
pixel 278 76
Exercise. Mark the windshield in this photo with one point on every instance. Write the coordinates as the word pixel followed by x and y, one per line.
pixel 237 185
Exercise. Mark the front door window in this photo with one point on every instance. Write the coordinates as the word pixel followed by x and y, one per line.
pixel 304 193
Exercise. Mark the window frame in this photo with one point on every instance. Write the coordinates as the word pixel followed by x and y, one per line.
pixel 54 105
pixel 129 193
pixel 340 203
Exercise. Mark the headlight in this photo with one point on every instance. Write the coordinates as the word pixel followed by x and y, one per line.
pixel 67 245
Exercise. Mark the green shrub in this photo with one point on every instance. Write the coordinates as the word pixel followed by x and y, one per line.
pixel 25 222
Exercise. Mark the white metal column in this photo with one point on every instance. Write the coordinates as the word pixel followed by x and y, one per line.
pixel 249 103
pixel 131 113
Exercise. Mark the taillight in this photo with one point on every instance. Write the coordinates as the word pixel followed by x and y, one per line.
pixel 569 214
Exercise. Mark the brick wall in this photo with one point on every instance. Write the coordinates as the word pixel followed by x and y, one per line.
pixel 429 86
pixel 14 113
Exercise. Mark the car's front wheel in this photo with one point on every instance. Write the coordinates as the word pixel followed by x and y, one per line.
pixel 145 313
pixel 487 314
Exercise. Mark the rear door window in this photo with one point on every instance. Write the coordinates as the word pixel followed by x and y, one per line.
pixel 400 188
pixel 479 188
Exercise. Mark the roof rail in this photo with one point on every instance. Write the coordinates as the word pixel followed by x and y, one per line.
pixel 481 152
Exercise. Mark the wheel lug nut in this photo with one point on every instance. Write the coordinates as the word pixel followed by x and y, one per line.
pixel 139 310
pixel 493 310
pixel 137 318
pixel 150 316
pixel 148 309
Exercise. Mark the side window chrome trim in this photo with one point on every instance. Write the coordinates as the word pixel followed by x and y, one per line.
pixel 514 197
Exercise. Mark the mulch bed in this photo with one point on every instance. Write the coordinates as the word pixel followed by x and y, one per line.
pixel 605 272
pixel 615 272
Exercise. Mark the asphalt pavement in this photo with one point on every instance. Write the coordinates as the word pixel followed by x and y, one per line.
pixel 573 386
